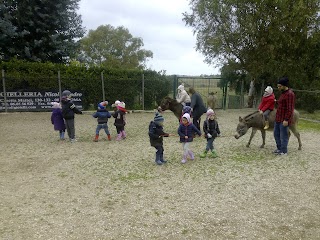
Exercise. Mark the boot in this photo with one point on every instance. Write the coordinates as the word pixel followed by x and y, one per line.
pixel 204 154
pixel 266 125
pixel 109 137
pixel 119 137
pixel 184 159
pixel 214 154
pixel 162 160
pixel 123 134
pixel 158 160
pixel 61 135
pixel 96 138
pixel 191 155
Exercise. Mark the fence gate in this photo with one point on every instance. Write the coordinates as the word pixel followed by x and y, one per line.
pixel 203 85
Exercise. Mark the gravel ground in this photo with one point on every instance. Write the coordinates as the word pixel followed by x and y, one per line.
pixel 53 189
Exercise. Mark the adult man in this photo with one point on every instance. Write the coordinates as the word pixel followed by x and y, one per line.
pixel 197 106
pixel 284 116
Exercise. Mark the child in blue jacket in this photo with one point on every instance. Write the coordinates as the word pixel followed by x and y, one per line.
pixel 102 116
pixel 186 132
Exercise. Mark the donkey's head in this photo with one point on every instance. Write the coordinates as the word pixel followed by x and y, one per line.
pixel 165 103
pixel 242 127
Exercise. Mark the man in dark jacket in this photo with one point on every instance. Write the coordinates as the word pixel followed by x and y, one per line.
pixel 68 111
pixel 156 135
pixel 198 107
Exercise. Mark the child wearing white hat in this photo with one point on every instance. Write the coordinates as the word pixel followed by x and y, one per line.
pixel 267 104
pixel 120 120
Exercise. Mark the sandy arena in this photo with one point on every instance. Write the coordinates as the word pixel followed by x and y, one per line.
pixel 53 189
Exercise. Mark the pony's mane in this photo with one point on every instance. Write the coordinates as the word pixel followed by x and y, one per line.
pixel 250 115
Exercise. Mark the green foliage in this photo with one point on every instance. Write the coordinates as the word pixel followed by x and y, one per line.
pixel 263 39
pixel 113 47
pixel 119 84
pixel 39 30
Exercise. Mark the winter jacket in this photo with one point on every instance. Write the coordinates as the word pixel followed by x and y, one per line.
pixel 156 134
pixel 102 116
pixel 120 118
pixel 69 109
pixel 57 120
pixel 197 105
pixel 212 127
pixel 187 130
pixel 267 103
pixel 183 97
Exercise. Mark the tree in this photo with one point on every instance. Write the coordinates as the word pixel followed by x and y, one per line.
pixel 260 35
pixel 39 30
pixel 265 38
pixel 113 47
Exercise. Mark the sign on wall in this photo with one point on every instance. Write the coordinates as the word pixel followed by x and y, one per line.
pixel 34 100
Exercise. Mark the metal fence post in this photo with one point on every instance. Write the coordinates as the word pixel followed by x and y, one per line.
pixel 142 91
pixel 102 85
pixel 59 83
pixel 4 91
pixel 175 86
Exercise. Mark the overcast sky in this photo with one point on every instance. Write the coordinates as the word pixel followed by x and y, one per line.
pixel 159 23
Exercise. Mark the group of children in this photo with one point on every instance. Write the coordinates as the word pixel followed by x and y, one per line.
pixel 186 130
pixel 63 113
pixel 63 118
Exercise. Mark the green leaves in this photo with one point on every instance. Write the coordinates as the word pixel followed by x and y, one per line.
pixel 39 30
pixel 114 48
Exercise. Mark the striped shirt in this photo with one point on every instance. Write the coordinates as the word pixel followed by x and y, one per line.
pixel 285 107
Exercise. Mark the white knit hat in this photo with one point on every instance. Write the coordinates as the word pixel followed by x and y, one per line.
pixel 269 89
pixel 181 87
pixel 210 112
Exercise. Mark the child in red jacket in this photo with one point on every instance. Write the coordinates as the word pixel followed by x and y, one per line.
pixel 267 104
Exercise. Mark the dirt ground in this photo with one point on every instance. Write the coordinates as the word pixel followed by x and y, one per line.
pixel 51 189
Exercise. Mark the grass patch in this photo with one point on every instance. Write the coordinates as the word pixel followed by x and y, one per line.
pixel 132 177
pixel 312 116
pixel 308 125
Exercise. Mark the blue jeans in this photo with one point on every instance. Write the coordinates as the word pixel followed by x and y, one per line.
pixel 102 126
pixel 281 135
pixel 209 144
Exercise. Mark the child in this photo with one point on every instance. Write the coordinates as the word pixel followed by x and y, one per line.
pixel 185 109
pixel 57 119
pixel 267 104
pixel 68 111
pixel 102 116
pixel 120 120
pixel 115 104
pixel 156 135
pixel 211 130
pixel 186 132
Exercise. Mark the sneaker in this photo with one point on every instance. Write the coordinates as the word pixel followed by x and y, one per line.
pixel 73 140
pixel 163 161
pixel 158 162
pixel 183 161
pixel 282 154
pixel 203 155
pixel 277 151
pixel 214 154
